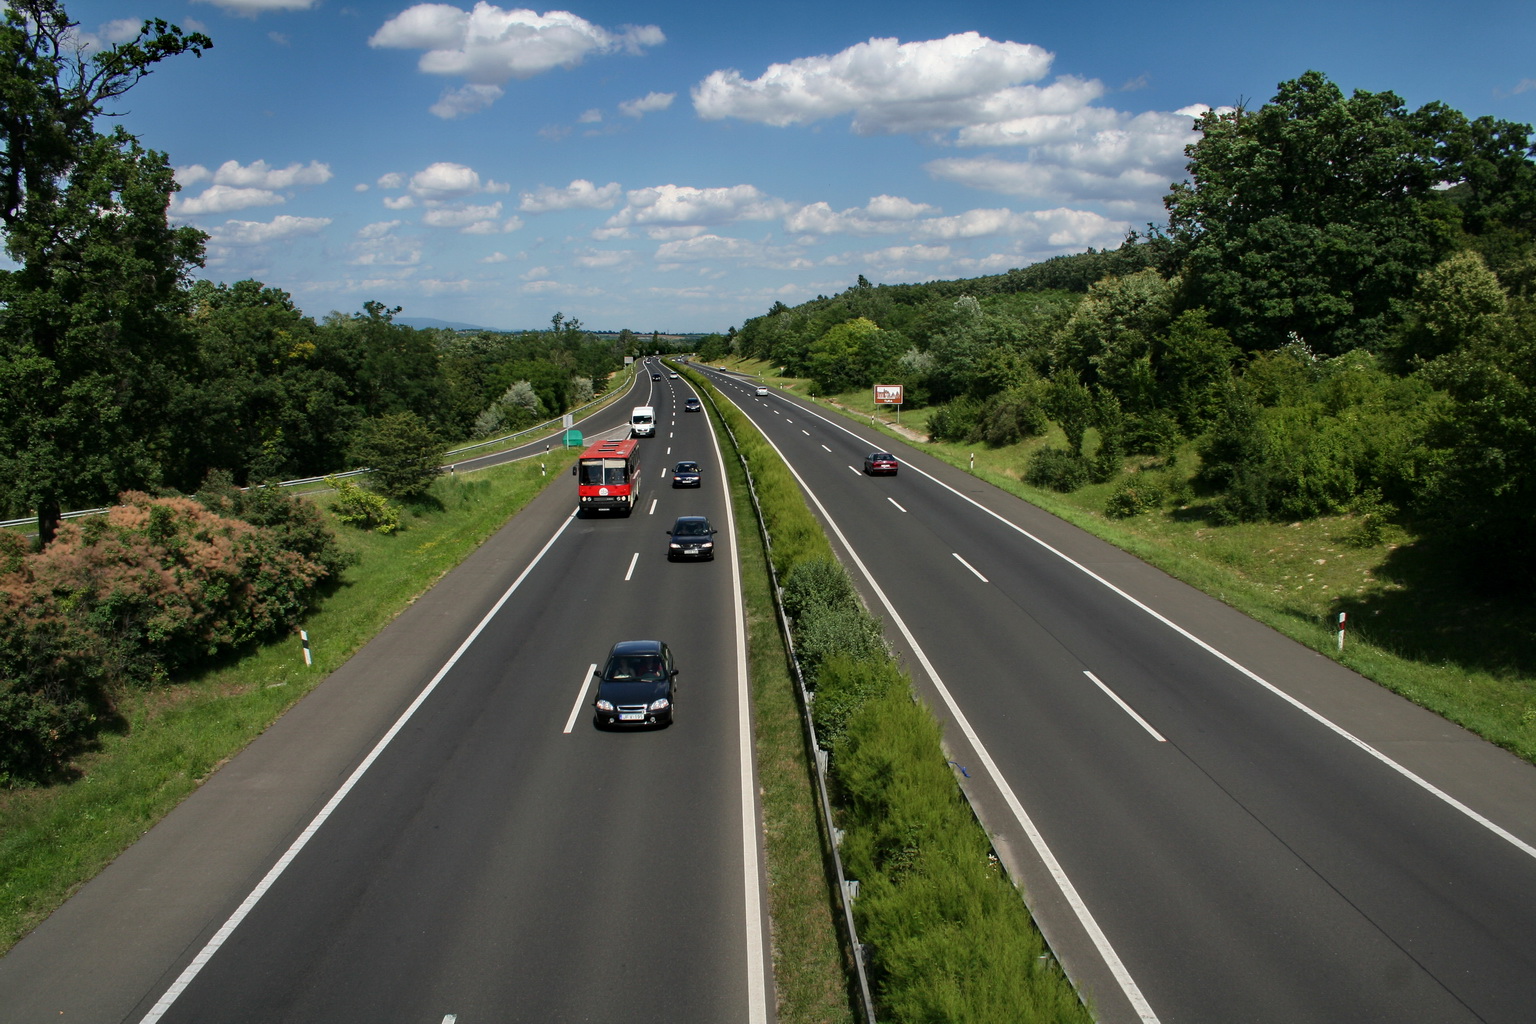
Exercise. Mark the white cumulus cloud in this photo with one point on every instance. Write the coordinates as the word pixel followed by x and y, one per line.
pixel 489 46
pixel 679 211
pixel 259 175
pixel 444 180
pixel 223 199
pixel 647 104
pixel 580 194
pixel 251 8
pixel 882 215
pixel 281 228
pixel 887 85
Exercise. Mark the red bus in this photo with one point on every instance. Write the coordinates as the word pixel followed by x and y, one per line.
pixel 608 477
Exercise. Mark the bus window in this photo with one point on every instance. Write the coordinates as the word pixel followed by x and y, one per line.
pixel 591 474
pixel 616 473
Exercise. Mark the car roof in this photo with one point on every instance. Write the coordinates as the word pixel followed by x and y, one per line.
pixel 691 519
pixel 688 462
pixel 628 647
pixel 881 455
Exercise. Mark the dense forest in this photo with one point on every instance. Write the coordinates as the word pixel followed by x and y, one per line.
pixel 1339 316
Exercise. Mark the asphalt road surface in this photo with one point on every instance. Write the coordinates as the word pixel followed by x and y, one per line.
pixel 1214 824
pixel 438 832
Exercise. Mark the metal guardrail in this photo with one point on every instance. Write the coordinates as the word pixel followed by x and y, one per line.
pixel 846 887
pixel 540 428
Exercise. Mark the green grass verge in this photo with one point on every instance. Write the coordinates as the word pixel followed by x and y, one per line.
pixel 811 976
pixel 1416 624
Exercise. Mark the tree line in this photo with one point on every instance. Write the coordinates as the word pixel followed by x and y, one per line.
pixel 118 372
pixel 1338 316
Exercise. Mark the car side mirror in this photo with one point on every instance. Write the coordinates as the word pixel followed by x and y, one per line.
pixel 573 470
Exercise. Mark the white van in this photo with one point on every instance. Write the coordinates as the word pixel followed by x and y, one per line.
pixel 642 422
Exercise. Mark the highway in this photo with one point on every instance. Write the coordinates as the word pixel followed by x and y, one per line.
pixel 438 832
pixel 1214 824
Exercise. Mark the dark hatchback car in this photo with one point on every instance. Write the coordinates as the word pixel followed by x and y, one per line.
pixel 686 474
pixel 690 537
pixel 692 405
pixel 637 685
pixel 880 462
pixel 655 376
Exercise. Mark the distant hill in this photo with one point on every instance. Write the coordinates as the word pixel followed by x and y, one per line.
pixel 427 321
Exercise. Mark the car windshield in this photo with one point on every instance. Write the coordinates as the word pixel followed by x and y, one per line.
pixel 687 467
pixel 645 668
pixel 691 528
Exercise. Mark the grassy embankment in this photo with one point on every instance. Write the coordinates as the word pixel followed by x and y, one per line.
pixel 1415 623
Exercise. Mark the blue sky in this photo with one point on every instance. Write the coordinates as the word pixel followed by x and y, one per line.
pixel 680 166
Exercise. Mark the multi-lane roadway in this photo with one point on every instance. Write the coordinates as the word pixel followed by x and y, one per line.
pixel 439 832
pixel 1214 824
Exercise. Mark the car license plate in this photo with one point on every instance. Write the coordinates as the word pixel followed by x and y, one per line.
pixel 631 716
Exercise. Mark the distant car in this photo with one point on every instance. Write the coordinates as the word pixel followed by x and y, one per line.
pixel 686 474
pixel 761 390
pixel 880 462
pixel 655 376
pixel 691 537
pixel 673 375
pixel 637 685
pixel 692 405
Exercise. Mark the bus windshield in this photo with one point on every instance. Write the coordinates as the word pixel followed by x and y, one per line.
pixel 604 472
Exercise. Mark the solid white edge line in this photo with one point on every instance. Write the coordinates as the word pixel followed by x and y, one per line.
pixel 581 697
pixel 969 566
pixel 249 903
pixel 1069 891
pixel 1237 666
pixel 757 983
pixel 632 562
pixel 1125 707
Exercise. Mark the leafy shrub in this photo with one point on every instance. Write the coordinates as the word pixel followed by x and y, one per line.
pixel 1059 469
pixel 844 685
pixel 825 632
pixel 402 452
pixel 129 597
pixel 817 583
pixel 957 421
pixel 1012 416
pixel 362 509
pixel 296 523
pixel 1141 493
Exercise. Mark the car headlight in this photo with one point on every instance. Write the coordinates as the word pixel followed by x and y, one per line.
pixel 674 545
pixel 660 704
pixel 604 705
pixel 707 544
